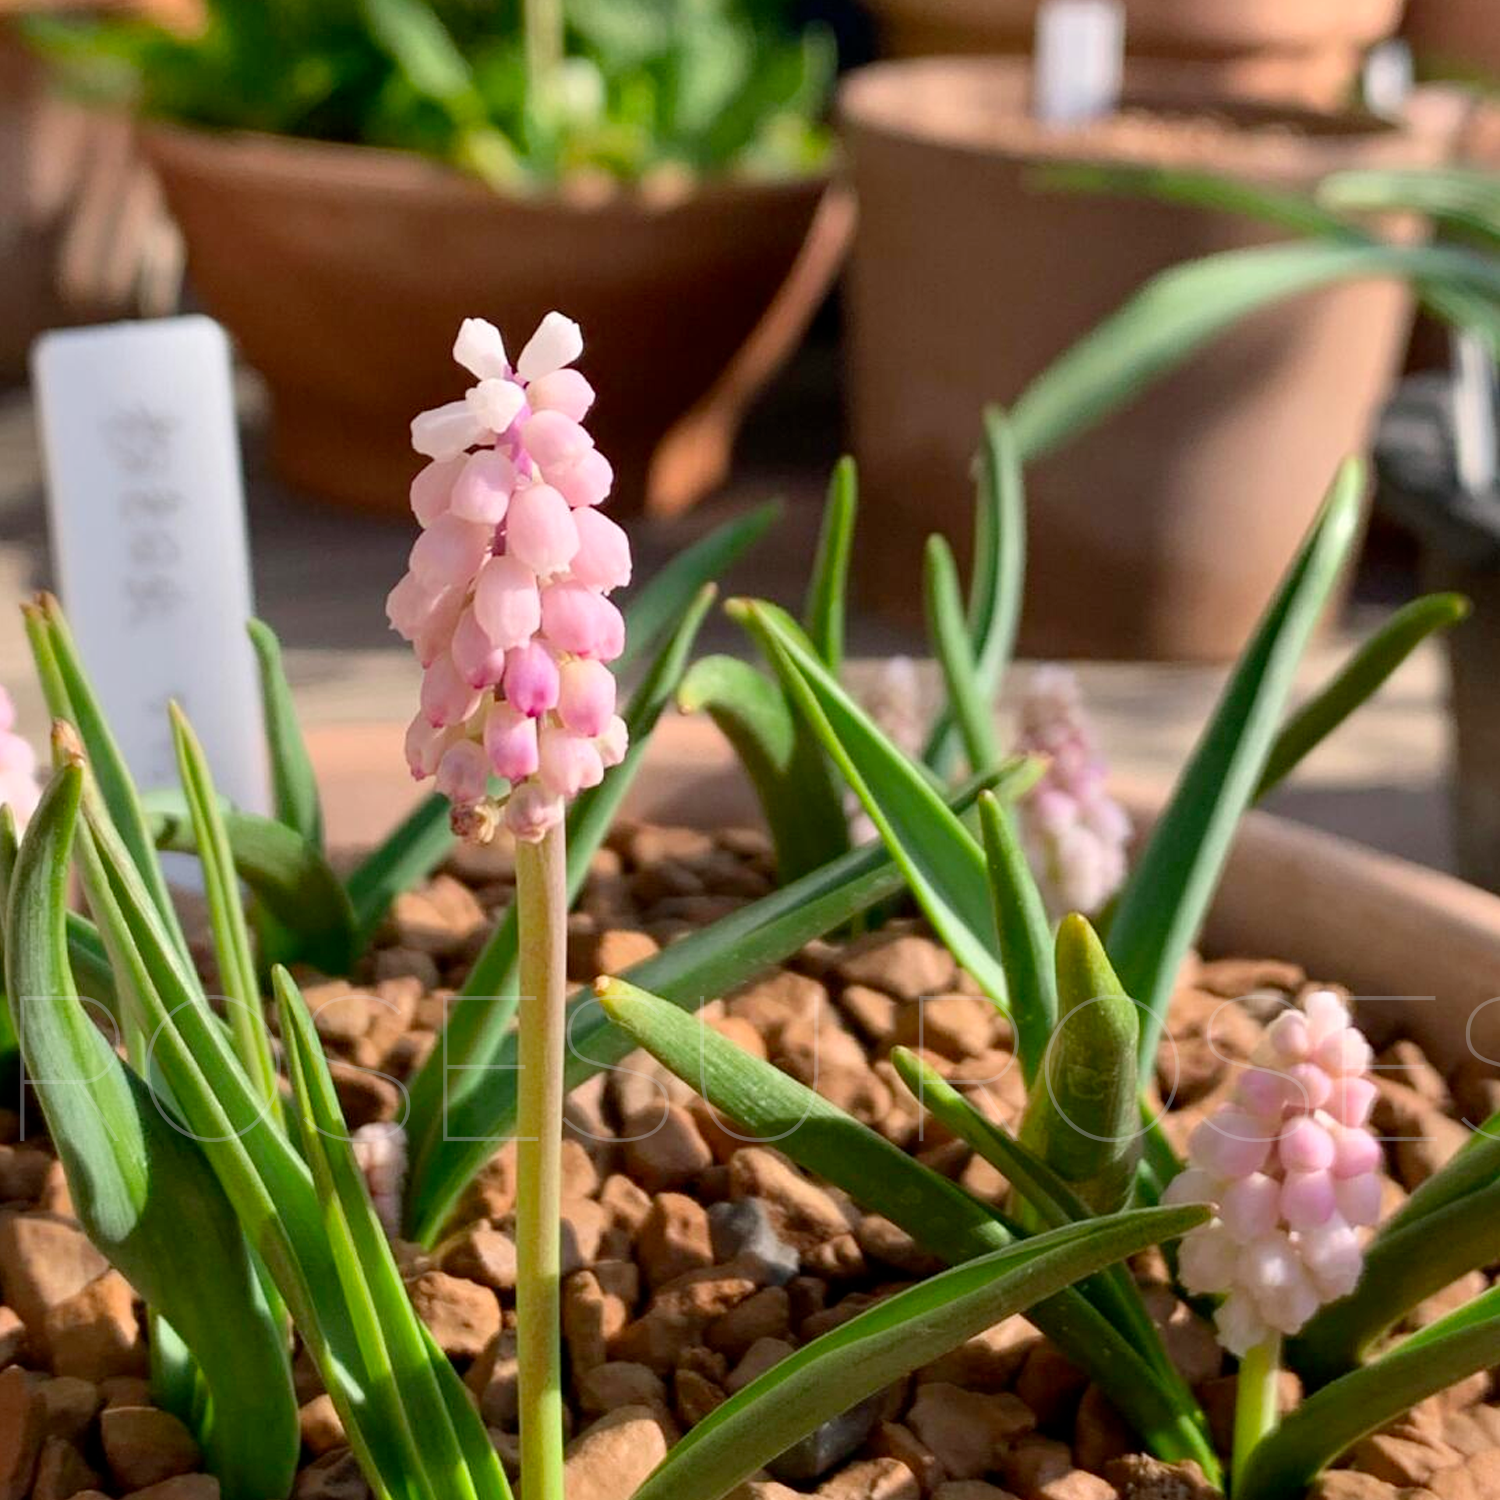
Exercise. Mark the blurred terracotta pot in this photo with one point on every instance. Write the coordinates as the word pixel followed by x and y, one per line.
pixel 343 273
pixel 1455 38
pixel 1160 533
pixel 82 233
pixel 1304 50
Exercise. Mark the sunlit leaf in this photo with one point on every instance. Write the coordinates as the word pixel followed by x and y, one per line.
pixel 293 782
pixel 864 1355
pixel 1168 893
pixel 141 1186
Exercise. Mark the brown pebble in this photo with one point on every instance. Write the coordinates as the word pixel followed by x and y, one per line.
pixel 614 1456
pixel 663 1149
pixel 872 1479
pixel 143 1446
pixel 95 1333
pixel 322 1428
pixel 461 1315
pixel 967 1430
pixel 61 1472
pixel 673 1239
pixel 23 1424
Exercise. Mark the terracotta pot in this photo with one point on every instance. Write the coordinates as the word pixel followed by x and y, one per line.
pixel 344 271
pixel 1305 50
pixel 1455 38
pixel 1160 533
pixel 82 232
pixel 1383 926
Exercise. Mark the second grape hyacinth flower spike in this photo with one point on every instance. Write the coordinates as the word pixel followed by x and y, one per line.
pixel 505 600
pixel 1292 1173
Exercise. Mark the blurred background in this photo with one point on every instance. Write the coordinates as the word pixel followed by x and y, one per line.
pixel 791 229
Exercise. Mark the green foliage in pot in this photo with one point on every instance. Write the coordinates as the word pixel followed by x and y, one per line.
pixel 191 1117
pixel 519 91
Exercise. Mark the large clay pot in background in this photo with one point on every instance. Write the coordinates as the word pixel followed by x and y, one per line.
pixel 83 237
pixel 1160 533
pixel 1304 50
pixel 343 273
pixel 1455 38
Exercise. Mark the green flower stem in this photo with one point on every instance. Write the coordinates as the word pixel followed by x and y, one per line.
pixel 543 23
pixel 1256 1407
pixel 542 906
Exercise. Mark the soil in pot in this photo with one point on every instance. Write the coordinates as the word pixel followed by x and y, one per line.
pixel 343 273
pixel 1307 51
pixel 696 1259
pixel 1160 532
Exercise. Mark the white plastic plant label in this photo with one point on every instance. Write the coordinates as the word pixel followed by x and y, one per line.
pixel 147 510
pixel 1079 67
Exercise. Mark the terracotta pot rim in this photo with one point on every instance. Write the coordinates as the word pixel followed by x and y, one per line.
pixel 1389 929
pixel 315 166
pixel 1232 28
pixel 884 101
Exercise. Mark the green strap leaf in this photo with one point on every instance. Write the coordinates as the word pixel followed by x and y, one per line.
pixel 948 631
pixel 1358 680
pixel 414 849
pixel 877 1174
pixel 1181 310
pixel 1331 1420
pixel 1459 198
pixel 942 861
pixel 785 765
pixel 265 1180
pixel 1025 935
pixel 656 608
pixel 1083 1117
pixel 999 581
pixel 138 1180
pixel 1167 895
pixel 824 613
pixel 236 961
pixel 478 1025
pixel 690 972
pixel 1448 1227
pixel 289 877
pixel 71 697
pixel 888 1341
pixel 293 782
pixel 1052 1202
pixel 399 1351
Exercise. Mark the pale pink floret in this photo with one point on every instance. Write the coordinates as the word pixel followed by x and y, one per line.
pixel 482 488
pixel 504 601
pixel 432 489
pixel 585 482
pixel 540 531
pixel 1291 1182
pixel 586 697
pixel 479 661
pixel 532 679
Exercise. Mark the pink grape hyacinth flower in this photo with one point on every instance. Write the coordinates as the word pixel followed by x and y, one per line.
pixel 506 597
pixel 1292 1173
pixel 18 783
pixel 1075 834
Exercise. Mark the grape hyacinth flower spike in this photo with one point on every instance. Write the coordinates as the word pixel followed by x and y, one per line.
pixel 506 603
pixel 1293 1174
pixel 18 783
pixel 506 598
pixel 1075 834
